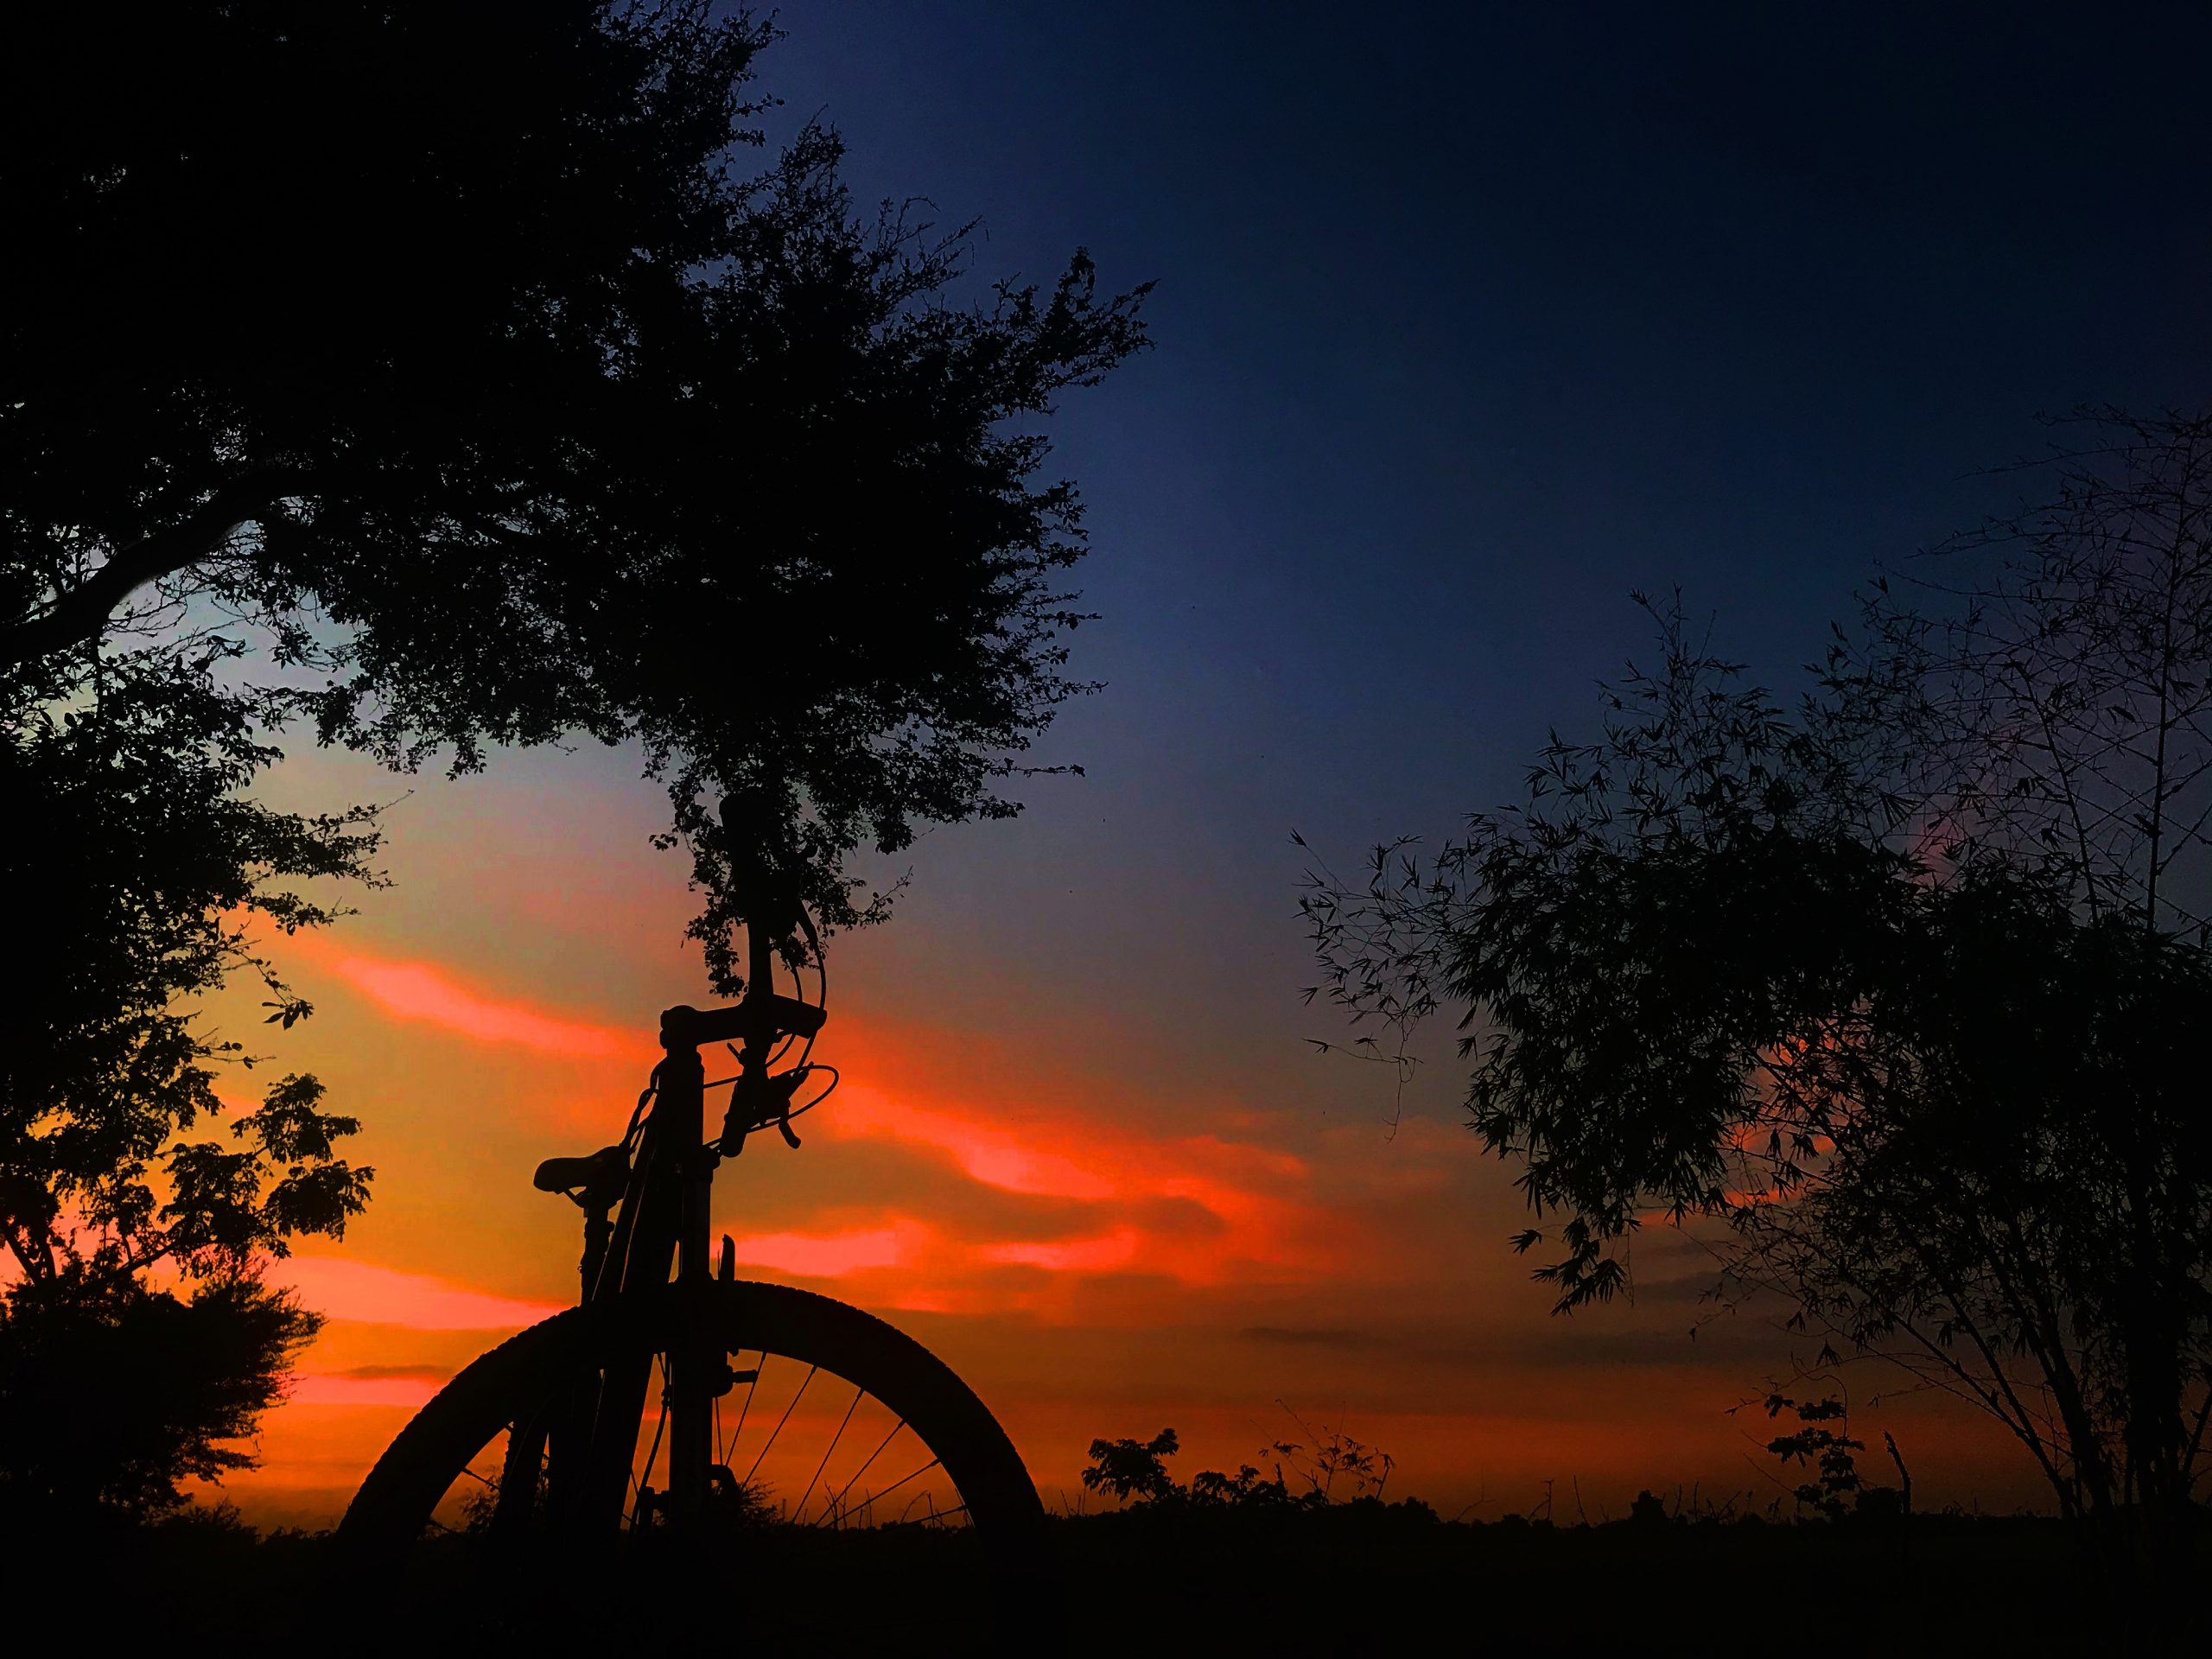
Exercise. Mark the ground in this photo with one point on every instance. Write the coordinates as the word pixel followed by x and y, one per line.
pixel 1353 1580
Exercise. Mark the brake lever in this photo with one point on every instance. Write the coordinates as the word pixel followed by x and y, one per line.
pixel 781 1088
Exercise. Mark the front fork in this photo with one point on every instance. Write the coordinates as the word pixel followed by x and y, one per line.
pixel 663 1220
pixel 696 1369
pixel 670 1227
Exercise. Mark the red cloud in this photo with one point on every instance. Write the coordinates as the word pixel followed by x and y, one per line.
pixel 1190 1210
pixel 1195 1209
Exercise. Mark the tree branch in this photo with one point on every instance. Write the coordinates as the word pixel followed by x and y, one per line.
pixel 79 613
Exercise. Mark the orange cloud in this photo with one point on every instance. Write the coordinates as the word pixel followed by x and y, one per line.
pixel 985 1148
pixel 345 1290
pixel 832 1255
pixel 422 992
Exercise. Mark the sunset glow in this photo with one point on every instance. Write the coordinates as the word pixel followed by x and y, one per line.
pixel 938 1185
pixel 1061 829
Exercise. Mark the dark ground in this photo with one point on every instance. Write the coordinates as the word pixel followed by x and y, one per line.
pixel 1354 1580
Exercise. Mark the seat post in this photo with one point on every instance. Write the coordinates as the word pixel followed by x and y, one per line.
pixel 599 1230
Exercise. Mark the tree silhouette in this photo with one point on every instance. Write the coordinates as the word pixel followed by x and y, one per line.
pixel 1134 1469
pixel 147 878
pixel 1888 984
pixel 1828 1456
pixel 451 347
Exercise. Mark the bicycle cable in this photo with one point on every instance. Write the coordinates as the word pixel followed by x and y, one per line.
pixel 798 987
pixel 638 1112
pixel 836 1077
pixel 822 969
pixel 783 1048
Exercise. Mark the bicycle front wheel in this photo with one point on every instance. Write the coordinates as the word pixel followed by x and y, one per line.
pixel 841 1444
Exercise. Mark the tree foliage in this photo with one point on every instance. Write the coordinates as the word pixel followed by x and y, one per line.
pixel 148 873
pixel 148 877
pixel 1896 983
pixel 452 347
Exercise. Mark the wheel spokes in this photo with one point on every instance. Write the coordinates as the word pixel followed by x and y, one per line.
pixel 799 1514
pixel 877 1497
pixel 501 1489
pixel 837 1504
pixel 641 1481
pixel 780 1421
pixel 746 1410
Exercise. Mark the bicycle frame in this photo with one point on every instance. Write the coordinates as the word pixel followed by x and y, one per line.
pixel 663 1228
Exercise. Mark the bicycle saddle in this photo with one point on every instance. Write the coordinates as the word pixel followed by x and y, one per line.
pixel 600 1174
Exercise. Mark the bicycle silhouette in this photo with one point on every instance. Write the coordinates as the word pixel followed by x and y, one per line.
pixel 560 1433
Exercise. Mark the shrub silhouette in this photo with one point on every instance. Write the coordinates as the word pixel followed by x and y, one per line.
pixel 1136 1471
pixel 1133 1469
pixel 112 1394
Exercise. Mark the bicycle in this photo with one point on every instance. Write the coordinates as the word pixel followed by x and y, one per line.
pixel 541 1437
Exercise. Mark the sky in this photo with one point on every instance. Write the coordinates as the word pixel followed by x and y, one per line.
pixel 1470 322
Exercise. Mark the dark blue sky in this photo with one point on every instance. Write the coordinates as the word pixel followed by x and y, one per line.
pixel 1469 320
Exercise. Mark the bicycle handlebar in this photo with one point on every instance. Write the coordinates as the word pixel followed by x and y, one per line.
pixel 685 1026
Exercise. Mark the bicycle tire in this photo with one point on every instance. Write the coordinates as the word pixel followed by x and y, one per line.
pixel 394 1504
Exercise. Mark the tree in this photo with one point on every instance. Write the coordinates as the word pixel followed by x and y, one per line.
pixel 1829 1456
pixel 143 873
pixel 1895 985
pixel 447 344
